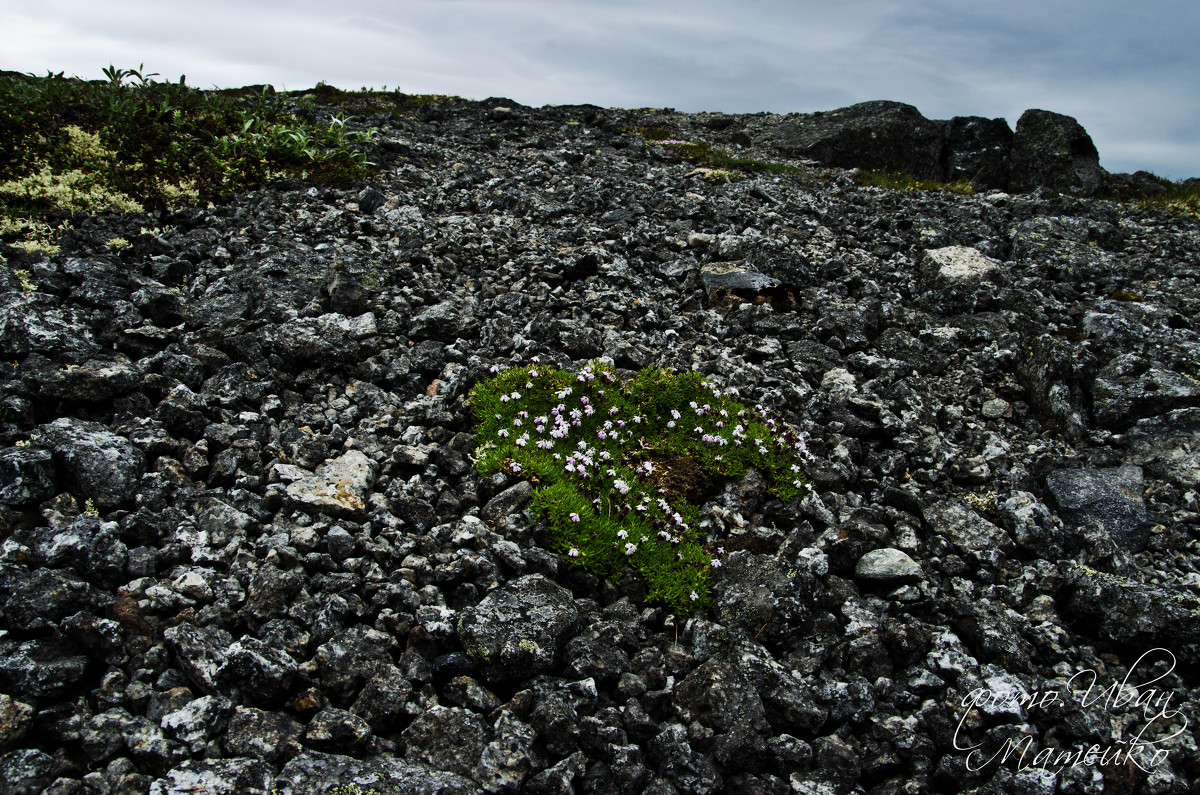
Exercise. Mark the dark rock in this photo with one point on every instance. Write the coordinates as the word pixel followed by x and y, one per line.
pixel 101 465
pixel 43 668
pixel 1130 387
pixel 270 736
pixel 976 151
pixel 883 135
pixel 1053 151
pixel 507 502
pixel 1125 611
pixel 448 739
pixel 26 476
pixel 28 771
pixel 518 630
pixel 1108 498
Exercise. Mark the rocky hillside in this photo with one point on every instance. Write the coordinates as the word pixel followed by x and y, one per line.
pixel 245 548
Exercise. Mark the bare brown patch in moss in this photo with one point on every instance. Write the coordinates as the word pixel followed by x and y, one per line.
pixel 681 478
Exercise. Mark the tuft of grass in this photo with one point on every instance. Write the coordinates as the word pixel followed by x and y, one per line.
pixel 1179 200
pixel 621 468
pixel 708 156
pixel 133 144
pixel 897 180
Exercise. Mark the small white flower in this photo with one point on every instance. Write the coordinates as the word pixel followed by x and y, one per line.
pixel 573 552
pixel 630 549
pixel 694 596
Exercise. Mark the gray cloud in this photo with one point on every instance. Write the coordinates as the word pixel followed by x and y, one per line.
pixel 1125 71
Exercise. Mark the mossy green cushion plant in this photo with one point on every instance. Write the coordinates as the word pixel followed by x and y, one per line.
pixel 620 469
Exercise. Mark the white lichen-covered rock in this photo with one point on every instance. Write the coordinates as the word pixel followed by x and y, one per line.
pixel 338 487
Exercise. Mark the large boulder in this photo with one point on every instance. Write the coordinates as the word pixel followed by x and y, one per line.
pixel 1053 151
pixel 976 151
pixel 891 136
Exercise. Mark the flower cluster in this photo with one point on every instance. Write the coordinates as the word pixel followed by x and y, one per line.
pixel 601 453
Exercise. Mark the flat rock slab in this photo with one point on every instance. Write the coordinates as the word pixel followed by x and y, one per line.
pixel 734 277
pixel 517 631
pixel 1110 498
pixel 339 487
pixel 968 530
pixel 887 566
pixel 957 264
pixel 103 466
pixel 313 773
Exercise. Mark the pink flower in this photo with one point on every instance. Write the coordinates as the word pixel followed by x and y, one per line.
pixel 574 517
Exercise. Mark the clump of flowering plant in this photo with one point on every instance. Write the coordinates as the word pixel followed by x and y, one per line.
pixel 621 467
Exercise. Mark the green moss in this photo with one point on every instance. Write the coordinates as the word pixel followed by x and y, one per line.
pixel 621 468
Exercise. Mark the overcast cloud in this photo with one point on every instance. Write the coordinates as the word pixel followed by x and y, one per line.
pixel 1127 71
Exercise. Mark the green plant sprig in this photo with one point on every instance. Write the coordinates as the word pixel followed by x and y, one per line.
pixel 620 468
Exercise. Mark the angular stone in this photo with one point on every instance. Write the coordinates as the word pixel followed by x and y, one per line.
pixel 1125 611
pixel 339 487
pixel 1053 151
pixel 517 631
pixel 734 277
pixel 508 502
pixel 887 566
pixel 94 380
pixel 14 721
pixel 881 134
pixel 968 530
pixel 1110 498
pixel 976 151
pixel 313 773
pixel 26 476
pixel 103 466
pixel 216 777
pixel 956 265
pixel 447 321
pixel 447 738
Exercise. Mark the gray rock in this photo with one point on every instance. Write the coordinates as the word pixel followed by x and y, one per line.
pixel 887 566
pixel 216 776
pixel 1109 498
pixel 1053 151
pixel 968 530
pixel 26 476
pixel 1130 387
pixel 339 486
pixel 34 323
pixel 102 466
pixel 335 730
pixel 449 739
pixel 734 277
pixel 313 773
pixel 510 757
pixel 91 381
pixel 28 770
pixel 1168 447
pixel 447 321
pixel 507 502
pixel 518 630
pixel 42 668
pixel 270 736
pixel 200 652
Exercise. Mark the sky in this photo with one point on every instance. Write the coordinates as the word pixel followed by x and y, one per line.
pixel 1129 72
